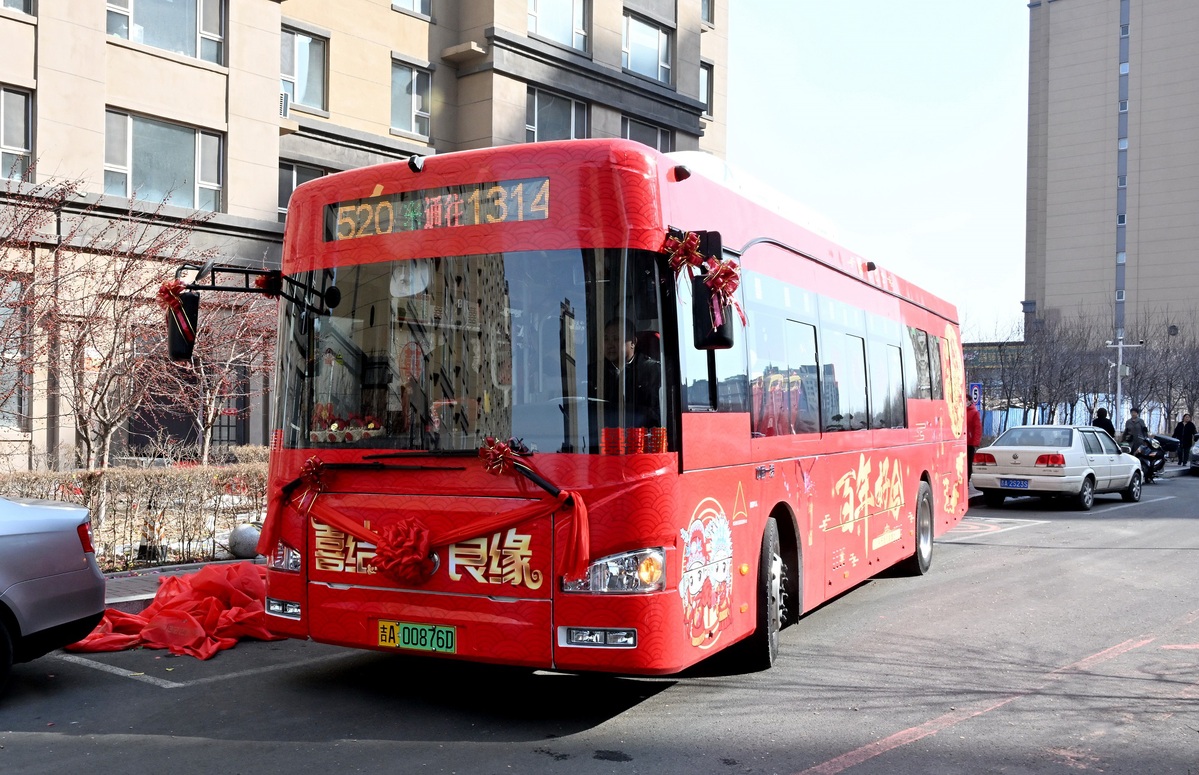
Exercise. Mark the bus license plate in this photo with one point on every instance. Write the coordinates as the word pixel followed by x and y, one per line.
pixel 1015 484
pixel 418 637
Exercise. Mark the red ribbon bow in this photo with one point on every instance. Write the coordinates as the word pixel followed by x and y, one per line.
pixel 271 284
pixel 723 278
pixel 682 252
pixel 497 456
pixel 168 299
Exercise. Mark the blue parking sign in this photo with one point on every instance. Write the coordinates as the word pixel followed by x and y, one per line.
pixel 976 394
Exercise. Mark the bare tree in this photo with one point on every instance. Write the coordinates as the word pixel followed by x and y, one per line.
pixel 234 345
pixel 83 276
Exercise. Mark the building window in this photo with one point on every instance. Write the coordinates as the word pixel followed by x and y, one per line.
pixel 1121 181
pixel 15 134
pixel 1123 106
pixel 14 344
pixel 1121 257
pixel 410 99
pixel 1121 220
pixel 189 27
pixel 416 6
pixel 646 49
pixel 302 68
pixel 653 136
pixel 1122 143
pixel 1123 68
pixel 25 6
pixel 707 74
pixel 1123 30
pixel 551 116
pixel 159 162
pixel 1119 295
pixel 562 21
pixel 290 177
pixel 707 11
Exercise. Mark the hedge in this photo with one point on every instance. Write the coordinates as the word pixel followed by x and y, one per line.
pixel 154 516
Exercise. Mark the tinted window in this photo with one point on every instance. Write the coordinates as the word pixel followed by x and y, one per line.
pixel 934 368
pixel 921 385
pixel 843 382
pixel 1093 445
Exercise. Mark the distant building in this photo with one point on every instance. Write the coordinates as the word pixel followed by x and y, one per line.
pixel 1113 159
pixel 229 105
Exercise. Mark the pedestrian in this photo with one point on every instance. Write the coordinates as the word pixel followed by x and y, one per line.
pixel 1185 433
pixel 1101 420
pixel 1135 430
pixel 974 435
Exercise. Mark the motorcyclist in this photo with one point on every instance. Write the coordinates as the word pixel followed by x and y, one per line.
pixel 1135 430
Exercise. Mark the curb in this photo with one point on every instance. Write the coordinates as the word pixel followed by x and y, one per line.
pixel 132 591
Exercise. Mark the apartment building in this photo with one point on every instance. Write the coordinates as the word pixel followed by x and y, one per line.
pixel 225 107
pixel 1113 162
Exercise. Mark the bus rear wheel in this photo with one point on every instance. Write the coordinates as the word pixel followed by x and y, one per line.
pixel 761 649
pixel 922 558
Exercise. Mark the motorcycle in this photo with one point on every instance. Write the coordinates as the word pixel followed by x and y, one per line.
pixel 1152 456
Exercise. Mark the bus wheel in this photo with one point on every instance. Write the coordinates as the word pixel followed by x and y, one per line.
pixel 760 650
pixel 922 558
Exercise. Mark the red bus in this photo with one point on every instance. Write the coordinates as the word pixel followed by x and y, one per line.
pixel 574 406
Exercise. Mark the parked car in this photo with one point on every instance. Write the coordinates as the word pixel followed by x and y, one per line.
pixel 1055 461
pixel 1194 459
pixel 51 589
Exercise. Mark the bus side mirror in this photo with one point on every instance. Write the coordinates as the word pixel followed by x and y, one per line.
pixel 179 346
pixel 707 336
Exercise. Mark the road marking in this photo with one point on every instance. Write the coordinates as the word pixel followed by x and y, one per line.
pixel 958 715
pixel 85 662
pixel 1139 503
pixel 164 684
pixel 973 527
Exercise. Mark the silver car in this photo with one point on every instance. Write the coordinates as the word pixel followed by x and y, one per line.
pixel 1055 460
pixel 51 589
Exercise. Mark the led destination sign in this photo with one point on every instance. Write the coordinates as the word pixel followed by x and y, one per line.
pixel 506 201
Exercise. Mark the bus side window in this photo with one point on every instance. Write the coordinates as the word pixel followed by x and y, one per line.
pixel 769 400
pixel 934 367
pixel 843 383
pixel 921 385
pixel 803 377
pixel 693 362
pixel 732 379
pixel 886 386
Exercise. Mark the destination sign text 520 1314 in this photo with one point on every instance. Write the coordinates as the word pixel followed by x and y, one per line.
pixel 471 204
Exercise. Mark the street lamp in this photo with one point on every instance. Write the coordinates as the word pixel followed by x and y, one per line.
pixel 1119 345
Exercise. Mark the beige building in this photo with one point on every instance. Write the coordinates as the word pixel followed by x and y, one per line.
pixel 1113 160
pixel 226 106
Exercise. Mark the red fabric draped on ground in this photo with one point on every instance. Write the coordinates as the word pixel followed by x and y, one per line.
pixel 199 614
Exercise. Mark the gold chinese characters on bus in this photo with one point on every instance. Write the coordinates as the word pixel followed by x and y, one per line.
pixel 472 204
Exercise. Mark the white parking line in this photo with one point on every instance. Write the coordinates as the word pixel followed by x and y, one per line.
pixel 1126 505
pixel 165 684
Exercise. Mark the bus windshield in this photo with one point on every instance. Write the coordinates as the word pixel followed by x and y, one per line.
pixel 437 354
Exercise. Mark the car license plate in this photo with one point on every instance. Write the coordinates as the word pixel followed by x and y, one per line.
pixel 438 638
pixel 1015 484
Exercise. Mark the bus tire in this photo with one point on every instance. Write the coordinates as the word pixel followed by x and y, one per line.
pixel 922 557
pixel 761 649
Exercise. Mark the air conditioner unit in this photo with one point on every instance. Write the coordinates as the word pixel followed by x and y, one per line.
pixel 284 105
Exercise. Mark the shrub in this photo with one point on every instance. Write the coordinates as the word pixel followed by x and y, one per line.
pixel 149 516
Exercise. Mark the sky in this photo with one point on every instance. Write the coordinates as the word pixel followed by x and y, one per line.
pixel 903 125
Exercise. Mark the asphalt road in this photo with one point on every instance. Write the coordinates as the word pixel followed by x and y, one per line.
pixel 1044 640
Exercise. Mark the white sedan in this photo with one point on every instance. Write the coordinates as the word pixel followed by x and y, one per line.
pixel 1055 460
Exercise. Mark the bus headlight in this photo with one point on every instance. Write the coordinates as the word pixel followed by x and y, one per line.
pixel 643 570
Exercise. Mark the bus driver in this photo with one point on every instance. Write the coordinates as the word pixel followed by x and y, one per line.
pixel 632 375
